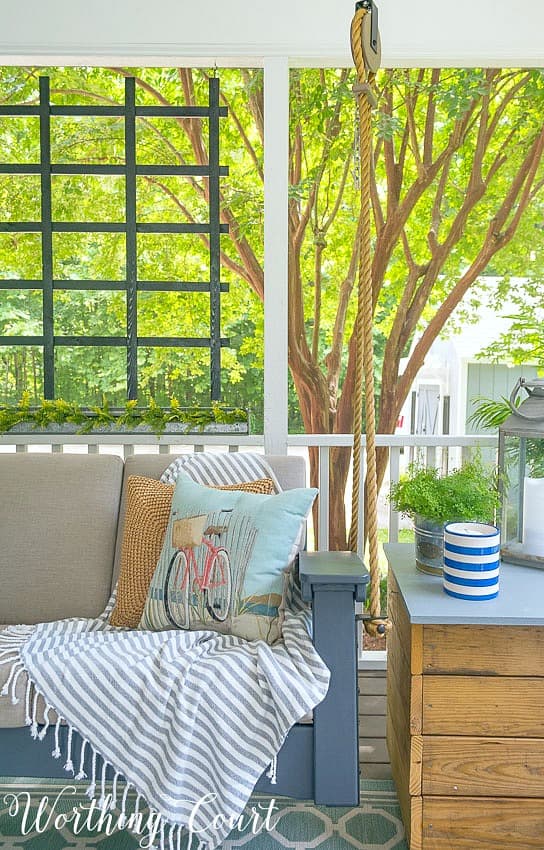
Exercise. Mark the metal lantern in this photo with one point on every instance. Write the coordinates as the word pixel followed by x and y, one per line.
pixel 521 471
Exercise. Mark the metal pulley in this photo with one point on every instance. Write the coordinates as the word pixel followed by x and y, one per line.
pixel 370 36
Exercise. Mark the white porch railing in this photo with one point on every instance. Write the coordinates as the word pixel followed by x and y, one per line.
pixel 441 451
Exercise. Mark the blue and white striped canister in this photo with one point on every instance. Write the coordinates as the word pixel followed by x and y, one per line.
pixel 471 560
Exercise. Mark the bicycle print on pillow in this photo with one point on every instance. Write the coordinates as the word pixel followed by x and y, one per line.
pixel 204 578
pixel 185 584
pixel 201 581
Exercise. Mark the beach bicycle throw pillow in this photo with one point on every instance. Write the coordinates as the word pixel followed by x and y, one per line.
pixel 223 560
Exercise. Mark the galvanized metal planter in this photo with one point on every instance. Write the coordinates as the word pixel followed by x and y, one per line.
pixel 173 428
pixel 170 428
pixel 429 541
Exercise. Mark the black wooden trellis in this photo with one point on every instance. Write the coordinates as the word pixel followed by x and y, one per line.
pixel 131 227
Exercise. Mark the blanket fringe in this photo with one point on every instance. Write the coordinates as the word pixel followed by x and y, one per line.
pixel 28 718
pixel 81 773
pixel 14 698
pixel 56 751
pixel 69 765
pixel 12 639
pixel 113 804
pixel 124 803
pixel 15 635
pixel 102 799
pixel 34 716
pixel 91 790
pixel 11 681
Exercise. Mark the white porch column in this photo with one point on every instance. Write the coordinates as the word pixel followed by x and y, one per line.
pixel 276 179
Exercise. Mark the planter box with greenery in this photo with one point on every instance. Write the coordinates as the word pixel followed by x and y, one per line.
pixel 469 493
pixel 62 417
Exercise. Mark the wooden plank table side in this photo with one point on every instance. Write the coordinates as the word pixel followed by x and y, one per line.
pixel 465 709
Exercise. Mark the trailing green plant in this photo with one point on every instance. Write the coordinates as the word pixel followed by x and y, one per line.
pixel 60 412
pixel 468 493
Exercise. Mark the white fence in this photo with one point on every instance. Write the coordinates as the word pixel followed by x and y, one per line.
pixel 441 451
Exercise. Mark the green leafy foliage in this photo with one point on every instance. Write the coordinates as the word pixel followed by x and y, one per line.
pixel 465 494
pixel 85 375
pixel 524 340
pixel 436 196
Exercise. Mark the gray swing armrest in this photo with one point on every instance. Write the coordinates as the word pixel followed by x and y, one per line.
pixel 332 571
pixel 333 582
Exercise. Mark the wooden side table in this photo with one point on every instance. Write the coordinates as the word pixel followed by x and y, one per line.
pixel 465 710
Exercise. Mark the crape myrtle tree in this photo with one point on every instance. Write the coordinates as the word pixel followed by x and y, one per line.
pixel 456 166
pixel 456 176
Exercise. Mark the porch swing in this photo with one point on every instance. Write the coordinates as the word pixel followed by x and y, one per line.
pixel 315 761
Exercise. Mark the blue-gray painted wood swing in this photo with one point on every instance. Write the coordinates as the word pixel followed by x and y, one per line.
pixel 319 759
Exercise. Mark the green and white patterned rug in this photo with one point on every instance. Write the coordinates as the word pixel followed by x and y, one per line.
pixel 374 825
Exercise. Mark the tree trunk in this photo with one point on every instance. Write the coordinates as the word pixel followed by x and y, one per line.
pixel 340 458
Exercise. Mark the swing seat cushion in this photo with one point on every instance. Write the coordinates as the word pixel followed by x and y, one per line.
pixel 58 515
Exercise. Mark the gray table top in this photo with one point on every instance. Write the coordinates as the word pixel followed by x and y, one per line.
pixel 520 601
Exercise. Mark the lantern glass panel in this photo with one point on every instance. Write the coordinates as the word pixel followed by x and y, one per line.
pixel 523 499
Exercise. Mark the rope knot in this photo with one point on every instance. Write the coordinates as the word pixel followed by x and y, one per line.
pixel 378 627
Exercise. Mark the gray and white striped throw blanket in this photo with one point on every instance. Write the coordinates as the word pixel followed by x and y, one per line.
pixel 189 720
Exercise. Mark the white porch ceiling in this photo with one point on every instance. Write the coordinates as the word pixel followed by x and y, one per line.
pixel 239 32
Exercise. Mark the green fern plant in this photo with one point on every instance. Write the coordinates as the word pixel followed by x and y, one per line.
pixel 468 493
pixel 129 418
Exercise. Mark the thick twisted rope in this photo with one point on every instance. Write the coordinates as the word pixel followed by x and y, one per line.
pixel 364 362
